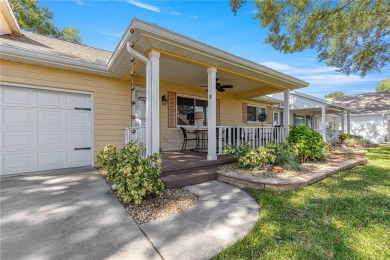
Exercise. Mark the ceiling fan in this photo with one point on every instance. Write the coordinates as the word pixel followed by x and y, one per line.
pixel 220 87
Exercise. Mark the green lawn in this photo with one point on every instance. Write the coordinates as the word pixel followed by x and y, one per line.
pixel 346 216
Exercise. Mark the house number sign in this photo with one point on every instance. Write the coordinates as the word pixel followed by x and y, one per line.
pixel 143 99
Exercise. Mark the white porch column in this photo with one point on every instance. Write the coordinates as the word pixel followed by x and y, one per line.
pixel 323 122
pixel 342 119
pixel 286 111
pixel 348 122
pixel 154 58
pixel 212 114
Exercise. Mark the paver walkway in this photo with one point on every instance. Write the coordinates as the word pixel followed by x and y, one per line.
pixel 69 214
pixel 222 216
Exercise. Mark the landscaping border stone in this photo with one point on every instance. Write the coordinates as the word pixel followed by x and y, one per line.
pixel 255 182
pixel 355 145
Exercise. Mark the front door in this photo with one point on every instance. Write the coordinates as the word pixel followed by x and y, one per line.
pixel 139 108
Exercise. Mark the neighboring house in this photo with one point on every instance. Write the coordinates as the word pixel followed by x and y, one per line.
pixel 62 102
pixel 324 116
pixel 371 118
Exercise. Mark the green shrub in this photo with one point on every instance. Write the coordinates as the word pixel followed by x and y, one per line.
pixel 253 160
pixel 284 156
pixel 108 158
pixel 306 142
pixel 343 137
pixel 357 139
pixel 325 152
pixel 136 177
pixel 237 151
pixel 247 157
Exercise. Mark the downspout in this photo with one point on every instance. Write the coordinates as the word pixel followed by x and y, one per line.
pixel 148 138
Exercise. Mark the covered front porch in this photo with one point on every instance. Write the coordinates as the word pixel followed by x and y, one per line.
pixel 182 78
pixel 324 116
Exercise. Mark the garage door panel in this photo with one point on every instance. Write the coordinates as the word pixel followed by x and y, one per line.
pixel 78 158
pixel 78 118
pixel 19 140
pixel 50 139
pixel 78 101
pixel 50 118
pixel 19 162
pixel 40 130
pixel 19 96
pixel 18 118
pixel 51 99
pixel 50 160
pixel 78 139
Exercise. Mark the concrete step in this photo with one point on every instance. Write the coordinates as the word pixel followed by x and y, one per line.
pixel 177 179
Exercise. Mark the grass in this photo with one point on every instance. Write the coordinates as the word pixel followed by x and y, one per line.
pixel 346 216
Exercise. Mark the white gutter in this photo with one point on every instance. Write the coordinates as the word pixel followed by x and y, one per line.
pixel 148 144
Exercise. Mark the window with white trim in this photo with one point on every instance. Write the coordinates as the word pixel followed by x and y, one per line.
pixel 188 108
pixel 277 118
pixel 299 120
pixel 253 112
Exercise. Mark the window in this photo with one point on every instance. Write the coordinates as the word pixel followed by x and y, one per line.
pixel 299 120
pixel 186 109
pixel 253 112
pixel 277 119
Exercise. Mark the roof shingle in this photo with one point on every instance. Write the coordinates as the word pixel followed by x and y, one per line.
pixel 44 44
pixel 367 103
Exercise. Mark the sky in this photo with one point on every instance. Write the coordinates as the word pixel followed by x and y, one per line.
pixel 103 22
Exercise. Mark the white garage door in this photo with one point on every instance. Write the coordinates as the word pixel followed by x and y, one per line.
pixel 44 130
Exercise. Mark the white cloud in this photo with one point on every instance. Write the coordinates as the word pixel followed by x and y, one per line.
pixel 174 13
pixel 112 34
pixel 194 17
pixel 254 11
pixel 79 2
pixel 324 79
pixel 145 6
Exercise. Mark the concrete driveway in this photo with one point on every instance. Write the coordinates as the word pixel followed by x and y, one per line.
pixel 68 214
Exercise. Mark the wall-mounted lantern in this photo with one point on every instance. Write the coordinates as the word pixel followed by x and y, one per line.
pixel 164 100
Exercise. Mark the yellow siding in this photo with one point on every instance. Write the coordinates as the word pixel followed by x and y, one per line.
pixel 112 107
pixel 112 101
pixel 230 113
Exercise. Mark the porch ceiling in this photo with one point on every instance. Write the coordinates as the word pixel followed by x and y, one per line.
pixel 192 75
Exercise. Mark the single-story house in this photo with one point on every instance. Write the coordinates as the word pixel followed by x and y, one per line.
pixel 326 117
pixel 371 118
pixel 62 102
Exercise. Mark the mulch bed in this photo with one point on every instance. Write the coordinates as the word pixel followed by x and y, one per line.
pixel 171 202
pixel 266 170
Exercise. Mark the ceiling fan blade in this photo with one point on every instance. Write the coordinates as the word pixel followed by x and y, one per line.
pixel 226 86
pixel 221 89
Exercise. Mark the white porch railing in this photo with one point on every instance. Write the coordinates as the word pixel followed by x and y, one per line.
pixel 226 135
pixel 135 134
pixel 255 136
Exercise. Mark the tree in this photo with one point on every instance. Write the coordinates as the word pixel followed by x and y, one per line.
pixel 350 35
pixel 382 86
pixel 70 34
pixel 335 94
pixel 40 20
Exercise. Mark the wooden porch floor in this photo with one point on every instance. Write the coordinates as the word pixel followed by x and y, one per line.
pixel 187 168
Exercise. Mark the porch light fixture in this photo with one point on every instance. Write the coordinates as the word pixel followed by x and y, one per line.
pixel 164 100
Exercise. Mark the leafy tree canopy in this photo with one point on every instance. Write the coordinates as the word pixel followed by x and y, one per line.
pixel 382 86
pixel 350 35
pixel 335 94
pixel 40 20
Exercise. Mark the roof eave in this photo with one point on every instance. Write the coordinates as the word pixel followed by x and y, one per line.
pixel 13 52
pixel 197 46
